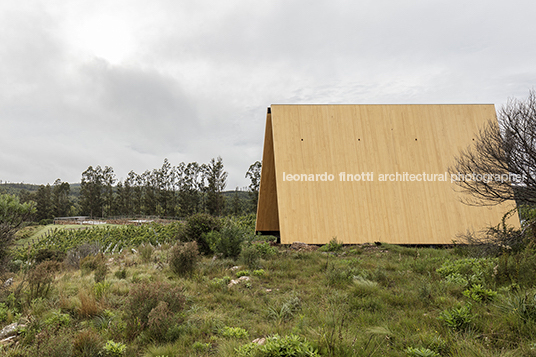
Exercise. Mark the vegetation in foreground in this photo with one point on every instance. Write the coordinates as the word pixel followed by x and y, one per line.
pixel 215 289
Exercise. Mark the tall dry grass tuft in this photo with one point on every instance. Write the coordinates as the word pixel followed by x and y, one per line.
pixel 89 306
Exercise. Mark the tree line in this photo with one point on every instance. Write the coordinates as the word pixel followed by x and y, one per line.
pixel 169 191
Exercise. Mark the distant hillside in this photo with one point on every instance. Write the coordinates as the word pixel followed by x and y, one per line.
pixel 16 188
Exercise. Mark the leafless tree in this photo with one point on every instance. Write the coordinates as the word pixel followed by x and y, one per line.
pixel 501 165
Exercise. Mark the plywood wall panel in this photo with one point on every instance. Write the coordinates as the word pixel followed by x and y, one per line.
pixel 267 207
pixel 375 139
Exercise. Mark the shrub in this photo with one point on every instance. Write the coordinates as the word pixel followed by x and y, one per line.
pixel 144 297
pixel 220 283
pixel 40 278
pixel 456 279
pixel 49 254
pixel 100 273
pixel 3 312
pixel 265 249
pixel 228 241
pixel 95 263
pixel 246 222
pixel 250 256
pixel 160 319
pixel 201 347
pixel 104 321
pixel 242 273
pixel 87 344
pixel 91 262
pixel 457 318
pixel 479 294
pixel 58 319
pixel 471 270
pixel 197 226
pixel 276 346
pixel 234 332
pixel 259 272
pixel 114 349
pixel 333 246
pixel 183 258
pixel 146 252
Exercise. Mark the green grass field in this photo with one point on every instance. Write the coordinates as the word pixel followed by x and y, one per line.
pixel 353 301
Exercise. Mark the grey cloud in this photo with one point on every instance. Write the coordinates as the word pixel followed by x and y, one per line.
pixel 204 73
pixel 142 106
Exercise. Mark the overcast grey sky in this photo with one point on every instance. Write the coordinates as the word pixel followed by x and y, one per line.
pixel 127 83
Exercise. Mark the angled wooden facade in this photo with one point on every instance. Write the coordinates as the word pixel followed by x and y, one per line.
pixel 352 172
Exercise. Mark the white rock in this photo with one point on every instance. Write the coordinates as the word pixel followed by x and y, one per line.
pixel 8 282
pixel 8 340
pixel 9 330
pixel 234 282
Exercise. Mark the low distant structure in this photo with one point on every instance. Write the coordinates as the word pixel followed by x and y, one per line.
pixel 71 220
pixel 139 222
pixel 369 173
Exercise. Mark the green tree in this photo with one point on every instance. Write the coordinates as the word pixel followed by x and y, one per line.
pixel 123 198
pixel 236 206
pixel 150 191
pixel 12 215
pixel 165 178
pixel 216 179
pixel 108 182
pixel 189 182
pixel 134 181
pixel 60 198
pixel 91 199
pixel 45 204
pixel 254 175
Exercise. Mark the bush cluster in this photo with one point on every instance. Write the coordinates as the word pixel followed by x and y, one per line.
pixel 154 306
pixel 40 279
pixel 228 241
pixel 183 258
pixel 146 252
pixel 197 227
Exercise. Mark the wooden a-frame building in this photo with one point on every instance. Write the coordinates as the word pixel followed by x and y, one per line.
pixel 369 173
